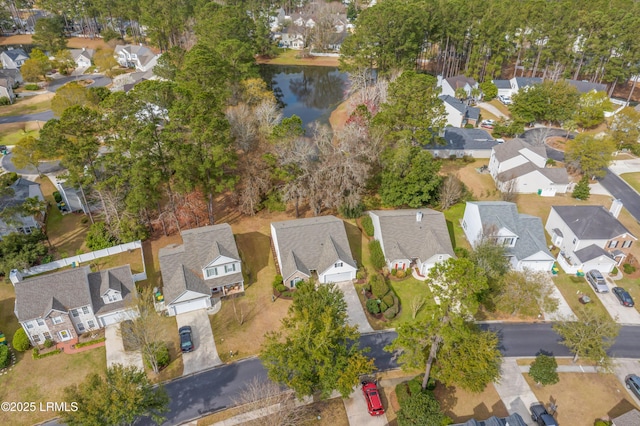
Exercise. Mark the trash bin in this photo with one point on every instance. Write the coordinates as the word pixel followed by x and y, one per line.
pixel 584 299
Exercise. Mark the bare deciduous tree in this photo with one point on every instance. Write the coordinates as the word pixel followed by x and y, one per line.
pixel 508 188
pixel 451 191
pixel 277 406
pixel 244 126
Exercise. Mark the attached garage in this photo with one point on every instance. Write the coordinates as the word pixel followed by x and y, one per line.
pixel 115 317
pixel 335 278
pixel 188 306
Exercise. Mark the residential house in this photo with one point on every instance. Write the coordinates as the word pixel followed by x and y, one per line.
pixel 412 238
pixel 451 84
pixel 303 20
pixel 314 246
pixel 72 199
pixel 584 86
pixel 589 237
pixel 511 420
pixel 136 56
pixel 459 113
pixel 13 75
pixel 24 223
pixel 291 38
pixel 207 265
pixel 523 83
pixel 520 167
pixel 630 418
pixel 82 57
pixel 63 305
pixel 504 87
pixel 13 58
pixel 6 89
pixel 521 234
pixel 460 142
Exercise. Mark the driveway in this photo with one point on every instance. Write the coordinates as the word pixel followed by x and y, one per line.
pixel 493 110
pixel 623 367
pixel 115 349
pixel 357 413
pixel 205 354
pixel 514 390
pixel 356 315
pixel 99 80
pixel 622 314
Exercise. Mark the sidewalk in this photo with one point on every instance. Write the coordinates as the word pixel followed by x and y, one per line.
pixel 564 311
pixel 514 390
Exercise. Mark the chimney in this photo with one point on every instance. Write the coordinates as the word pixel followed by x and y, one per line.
pixel 83 49
pixel 419 216
pixel 15 276
pixel 615 208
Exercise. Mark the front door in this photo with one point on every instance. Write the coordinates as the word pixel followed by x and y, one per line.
pixel 64 335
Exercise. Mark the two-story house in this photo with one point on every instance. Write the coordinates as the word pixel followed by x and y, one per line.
pixel 21 190
pixel 459 114
pixel 521 234
pixel 13 58
pixel 207 265
pixel 412 238
pixel 518 166
pixel 136 56
pixel 589 237
pixel 451 84
pixel 82 57
pixel 63 305
pixel 316 246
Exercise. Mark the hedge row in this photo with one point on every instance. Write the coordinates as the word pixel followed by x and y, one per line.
pixel 90 342
pixel 36 353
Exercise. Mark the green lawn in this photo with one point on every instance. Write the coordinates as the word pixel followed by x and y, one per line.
pixel 408 291
pixel 632 179
pixel 632 285
pixel 454 217
pixel 13 138
pixel 503 109
pixel 25 106
pixel 572 287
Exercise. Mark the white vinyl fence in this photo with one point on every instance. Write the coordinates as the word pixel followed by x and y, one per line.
pixel 88 257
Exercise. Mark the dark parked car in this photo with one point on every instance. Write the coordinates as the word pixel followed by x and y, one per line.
pixel 372 396
pixel 633 382
pixel 541 416
pixel 186 339
pixel 597 281
pixel 623 296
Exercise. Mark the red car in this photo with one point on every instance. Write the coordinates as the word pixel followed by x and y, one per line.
pixel 372 396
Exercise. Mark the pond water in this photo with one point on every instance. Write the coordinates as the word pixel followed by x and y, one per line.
pixel 309 92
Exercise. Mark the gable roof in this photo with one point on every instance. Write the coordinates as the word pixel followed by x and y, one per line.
pixel 591 252
pixel 467 111
pixel 459 81
pixel 181 266
pixel 502 84
pixel 85 53
pixel 527 81
pixel 630 418
pixel 118 279
pixel 12 74
pixel 15 54
pixel 311 244
pixel 143 53
pixel 61 291
pixel 586 86
pixel 461 138
pixel 404 237
pixel 22 189
pixel 556 175
pixel 591 222
pixel 511 149
pixel 529 229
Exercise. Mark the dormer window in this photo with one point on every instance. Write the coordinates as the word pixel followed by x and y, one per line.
pixel 230 268
pixel 338 265
pixel 509 241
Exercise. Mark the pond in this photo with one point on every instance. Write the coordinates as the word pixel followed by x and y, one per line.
pixel 310 92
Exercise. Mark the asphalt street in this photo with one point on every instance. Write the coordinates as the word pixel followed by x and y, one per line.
pixel 44 167
pixel 539 135
pixel 40 116
pixel 619 189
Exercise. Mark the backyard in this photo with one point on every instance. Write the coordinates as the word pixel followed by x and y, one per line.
pixel 27 105
pixel 11 133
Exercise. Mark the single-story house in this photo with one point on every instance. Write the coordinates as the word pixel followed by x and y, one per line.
pixel 22 189
pixel 451 84
pixel 136 56
pixel 82 57
pixel 589 237
pixel 207 265
pixel 518 166
pixel 459 113
pixel 13 58
pixel 460 142
pixel 317 245
pixel 63 305
pixel 521 234
pixel 412 238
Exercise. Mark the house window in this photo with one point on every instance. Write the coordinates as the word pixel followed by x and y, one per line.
pixel 40 321
pixel 47 335
pixel 75 313
pixel 29 324
pixel 212 272
pixel 36 338
pixel 230 268
pixel 627 244
pixel 91 324
pixel 294 281
pixel 80 327
pixel 110 298
pixel 85 310
pixel 613 244
pixel 338 265
pixel 508 242
pixel 57 320
pixel 464 224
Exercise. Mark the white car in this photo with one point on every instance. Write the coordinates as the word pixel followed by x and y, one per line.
pixel 505 99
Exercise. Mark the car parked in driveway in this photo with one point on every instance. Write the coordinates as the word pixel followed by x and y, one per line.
pixel 186 339
pixel 487 124
pixel 506 100
pixel 633 382
pixel 372 396
pixel 597 281
pixel 541 416
pixel 623 296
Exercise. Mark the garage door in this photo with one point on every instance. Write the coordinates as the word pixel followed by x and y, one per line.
pixel 538 266
pixel 112 318
pixel 335 278
pixel 192 305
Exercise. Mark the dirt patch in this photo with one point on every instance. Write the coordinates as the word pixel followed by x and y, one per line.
pixel 72 43
pixel 480 184
pixel 557 142
pixel 462 405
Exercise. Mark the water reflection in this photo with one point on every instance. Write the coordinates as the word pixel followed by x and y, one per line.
pixel 311 93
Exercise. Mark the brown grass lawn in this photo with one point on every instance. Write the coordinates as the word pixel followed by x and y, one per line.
pixel 633 179
pixel 28 105
pixel 130 257
pixel 290 57
pixel 481 185
pixel 170 337
pixel 503 109
pixel 584 398
pixel 462 405
pixel 72 42
pixel 572 287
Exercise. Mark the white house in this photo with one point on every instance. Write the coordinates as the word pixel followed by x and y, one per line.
pixel 82 57
pixel 13 58
pixel 459 113
pixel 589 237
pixel 22 189
pixel 451 84
pixel 136 56
pixel 521 167
pixel 207 265
pixel 6 89
pixel 521 234
pixel 460 142
pixel 523 83
pixel 63 305
pixel 318 245
pixel 412 238
pixel 504 87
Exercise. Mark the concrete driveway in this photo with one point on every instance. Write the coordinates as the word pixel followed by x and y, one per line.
pixel 205 354
pixel 623 367
pixel 357 413
pixel 355 312
pixel 115 349
pixel 493 110
pixel 622 314
pixel 514 390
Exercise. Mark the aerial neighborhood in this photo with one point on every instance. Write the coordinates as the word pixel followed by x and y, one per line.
pixel 351 212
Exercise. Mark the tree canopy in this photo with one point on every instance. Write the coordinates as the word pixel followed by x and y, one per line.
pixel 589 154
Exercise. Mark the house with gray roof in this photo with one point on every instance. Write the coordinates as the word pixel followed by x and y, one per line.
pixel 19 191
pixel 13 58
pixel 460 142
pixel 518 166
pixel 511 420
pixel 206 265
pixel 6 89
pixel 584 86
pixel 412 238
pixel 589 237
pixel 451 84
pixel 504 87
pixel 459 113
pixel 63 305
pixel 630 418
pixel 135 56
pixel 313 246
pixel 82 57
pixel 521 234
pixel 523 83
